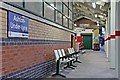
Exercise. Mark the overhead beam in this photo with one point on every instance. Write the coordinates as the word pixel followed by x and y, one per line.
pixel 96 10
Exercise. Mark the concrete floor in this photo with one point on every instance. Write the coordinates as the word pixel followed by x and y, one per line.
pixel 94 65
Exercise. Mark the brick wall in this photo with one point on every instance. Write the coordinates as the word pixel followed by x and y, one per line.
pixel 3 23
pixel 38 30
pixel 37 50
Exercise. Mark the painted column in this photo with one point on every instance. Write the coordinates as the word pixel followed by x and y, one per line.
pixel 117 40
pixel 112 34
pixel 108 31
pixel 106 36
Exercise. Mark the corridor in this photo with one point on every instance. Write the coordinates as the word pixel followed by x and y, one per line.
pixel 39 37
pixel 95 65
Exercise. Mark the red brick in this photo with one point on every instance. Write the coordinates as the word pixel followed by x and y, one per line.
pixel 27 55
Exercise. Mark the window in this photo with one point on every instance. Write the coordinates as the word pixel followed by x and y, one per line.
pixel 58 17
pixel 65 2
pixel 48 12
pixel 65 10
pixel 65 21
pixel 35 7
pixel 70 14
pixel 18 3
pixel 59 6
pixel 55 10
pixel 70 24
pixel 70 5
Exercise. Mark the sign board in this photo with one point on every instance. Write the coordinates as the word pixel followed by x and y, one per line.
pixel 84 25
pixel 17 25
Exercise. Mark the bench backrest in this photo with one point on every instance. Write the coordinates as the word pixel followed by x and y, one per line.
pixel 72 50
pixel 69 51
pixel 56 54
pixel 60 53
pixel 63 52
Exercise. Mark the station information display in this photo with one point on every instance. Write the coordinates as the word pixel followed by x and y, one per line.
pixel 17 25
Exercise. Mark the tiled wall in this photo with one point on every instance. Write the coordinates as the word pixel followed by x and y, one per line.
pixel 32 57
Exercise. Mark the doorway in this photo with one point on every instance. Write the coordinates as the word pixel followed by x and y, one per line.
pixel 87 41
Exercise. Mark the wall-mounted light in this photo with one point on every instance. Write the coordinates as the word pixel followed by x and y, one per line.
pixel 100 16
pixel 94 5
pixel 98 24
pixel 75 24
pixel 96 15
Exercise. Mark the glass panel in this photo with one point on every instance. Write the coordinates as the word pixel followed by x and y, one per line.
pixel 49 12
pixel 70 14
pixel 59 6
pixel 35 7
pixel 66 2
pixel 70 5
pixel 52 4
pixel 65 10
pixel 58 17
pixel 65 21
pixel 19 3
pixel 70 24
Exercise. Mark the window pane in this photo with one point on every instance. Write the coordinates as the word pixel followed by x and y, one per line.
pixel 51 3
pixel 66 2
pixel 59 6
pixel 70 5
pixel 58 17
pixel 65 21
pixel 65 10
pixel 19 3
pixel 49 12
pixel 70 24
pixel 70 14
pixel 35 7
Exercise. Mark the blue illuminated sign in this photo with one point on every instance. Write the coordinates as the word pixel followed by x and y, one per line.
pixel 17 25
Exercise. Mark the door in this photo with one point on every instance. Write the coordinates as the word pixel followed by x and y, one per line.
pixel 87 41
pixel 73 41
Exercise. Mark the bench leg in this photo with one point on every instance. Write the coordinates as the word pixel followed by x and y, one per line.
pixel 72 64
pixel 58 74
pixel 68 66
pixel 77 60
pixel 57 70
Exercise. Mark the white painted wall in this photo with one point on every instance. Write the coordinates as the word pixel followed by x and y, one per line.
pixel 117 41
pixel 108 31
pixel 112 32
pixel 106 36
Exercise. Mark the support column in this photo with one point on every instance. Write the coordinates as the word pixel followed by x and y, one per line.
pixel 108 34
pixel 112 32
pixel 117 40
